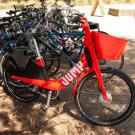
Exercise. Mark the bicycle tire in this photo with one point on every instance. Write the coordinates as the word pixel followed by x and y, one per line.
pixel 113 121
pixel 54 65
pixel 51 58
pixel 17 91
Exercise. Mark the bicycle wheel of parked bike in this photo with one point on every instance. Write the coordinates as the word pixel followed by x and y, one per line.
pixel 19 90
pixel 51 58
pixel 25 94
pixel 91 105
pixel 52 61
pixel 5 61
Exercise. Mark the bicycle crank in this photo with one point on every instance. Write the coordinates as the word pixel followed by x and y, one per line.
pixel 45 107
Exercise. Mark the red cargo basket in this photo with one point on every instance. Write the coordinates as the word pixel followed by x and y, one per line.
pixel 108 47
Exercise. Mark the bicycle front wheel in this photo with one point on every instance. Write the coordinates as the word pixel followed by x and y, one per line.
pixel 120 89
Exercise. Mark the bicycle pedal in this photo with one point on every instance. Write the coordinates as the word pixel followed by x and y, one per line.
pixel 42 113
pixel 43 109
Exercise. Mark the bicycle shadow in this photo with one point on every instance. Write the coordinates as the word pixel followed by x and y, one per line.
pixel 125 128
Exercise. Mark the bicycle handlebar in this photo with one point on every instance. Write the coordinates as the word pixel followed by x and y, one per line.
pixel 30 5
pixel 5 19
pixel 12 12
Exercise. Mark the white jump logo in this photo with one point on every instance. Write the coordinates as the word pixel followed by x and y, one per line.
pixel 72 73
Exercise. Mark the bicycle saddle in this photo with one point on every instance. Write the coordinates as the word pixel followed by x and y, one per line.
pixel 80 14
pixel 93 25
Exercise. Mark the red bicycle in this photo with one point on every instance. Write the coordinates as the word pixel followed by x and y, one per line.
pixel 103 96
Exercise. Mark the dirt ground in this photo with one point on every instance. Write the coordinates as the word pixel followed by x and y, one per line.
pixel 62 118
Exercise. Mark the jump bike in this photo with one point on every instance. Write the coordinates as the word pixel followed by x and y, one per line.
pixel 100 99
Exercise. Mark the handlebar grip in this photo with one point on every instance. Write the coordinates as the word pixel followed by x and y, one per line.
pixel 79 14
pixel 72 5
pixel 31 5
pixel 15 7
pixel 76 19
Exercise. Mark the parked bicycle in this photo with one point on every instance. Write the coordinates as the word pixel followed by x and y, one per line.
pixel 100 99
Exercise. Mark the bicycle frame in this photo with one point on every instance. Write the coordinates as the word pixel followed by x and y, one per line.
pixel 61 41
pixel 6 44
pixel 80 70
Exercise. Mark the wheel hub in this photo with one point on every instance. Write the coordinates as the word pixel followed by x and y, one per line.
pixel 103 101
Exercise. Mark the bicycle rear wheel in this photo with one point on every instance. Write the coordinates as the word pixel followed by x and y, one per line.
pixel 19 90
pixel 25 94
pixel 90 103
pixel 52 61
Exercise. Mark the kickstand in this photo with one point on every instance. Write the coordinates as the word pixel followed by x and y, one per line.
pixel 45 107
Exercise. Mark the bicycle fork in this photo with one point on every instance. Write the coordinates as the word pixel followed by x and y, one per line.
pixel 96 67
